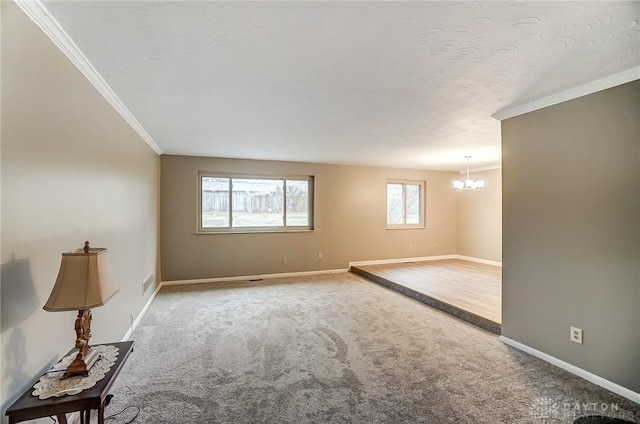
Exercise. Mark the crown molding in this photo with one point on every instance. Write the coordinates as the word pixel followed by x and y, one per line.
pixel 35 10
pixel 573 93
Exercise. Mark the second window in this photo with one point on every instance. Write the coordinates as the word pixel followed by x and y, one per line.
pixel 405 204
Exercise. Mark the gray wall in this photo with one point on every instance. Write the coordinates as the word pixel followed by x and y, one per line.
pixel 571 234
pixel 480 218
pixel 72 170
pixel 350 221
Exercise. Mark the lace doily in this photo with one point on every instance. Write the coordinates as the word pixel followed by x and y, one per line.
pixel 51 384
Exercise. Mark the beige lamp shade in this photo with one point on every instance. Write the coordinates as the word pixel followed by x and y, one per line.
pixel 85 281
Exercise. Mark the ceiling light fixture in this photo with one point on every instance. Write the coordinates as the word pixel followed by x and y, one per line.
pixel 468 184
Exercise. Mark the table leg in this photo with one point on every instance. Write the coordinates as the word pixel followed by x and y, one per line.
pixel 101 414
pixel 62 418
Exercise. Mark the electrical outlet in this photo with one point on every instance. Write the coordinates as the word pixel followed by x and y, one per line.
pixel 576 335
pixel 284 261
pixel 320 255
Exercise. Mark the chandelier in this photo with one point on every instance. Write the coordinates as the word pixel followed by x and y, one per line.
pixel 468 184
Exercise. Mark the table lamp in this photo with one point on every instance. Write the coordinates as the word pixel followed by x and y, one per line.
pixel 84 282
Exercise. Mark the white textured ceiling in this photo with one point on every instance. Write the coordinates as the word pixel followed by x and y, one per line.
pixel 402 84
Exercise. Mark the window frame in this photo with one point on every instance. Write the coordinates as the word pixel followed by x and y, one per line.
pixel 284 228
pixel 423 201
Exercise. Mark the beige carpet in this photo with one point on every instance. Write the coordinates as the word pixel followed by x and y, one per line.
pixel 335 349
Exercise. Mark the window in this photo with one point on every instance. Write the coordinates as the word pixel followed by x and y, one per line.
pixel 405 204
pixel 246 203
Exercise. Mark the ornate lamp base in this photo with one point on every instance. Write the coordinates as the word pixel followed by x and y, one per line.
pixel 81 366
pixel 86 356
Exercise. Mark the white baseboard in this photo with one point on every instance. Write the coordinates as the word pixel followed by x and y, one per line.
pixel 482 261
pixel 135 323
pixel 613 387
pixel 253 277
pixel 422 259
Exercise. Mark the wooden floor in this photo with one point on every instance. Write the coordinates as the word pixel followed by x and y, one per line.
pixel 461 286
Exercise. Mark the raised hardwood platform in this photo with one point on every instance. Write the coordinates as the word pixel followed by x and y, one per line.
pixel 468 290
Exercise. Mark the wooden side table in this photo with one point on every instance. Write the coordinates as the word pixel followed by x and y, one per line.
pixel 29 407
